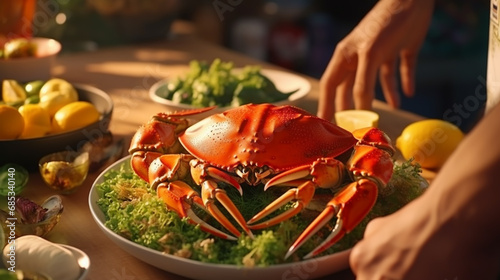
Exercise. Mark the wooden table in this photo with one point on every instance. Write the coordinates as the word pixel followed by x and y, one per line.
pixel 126 73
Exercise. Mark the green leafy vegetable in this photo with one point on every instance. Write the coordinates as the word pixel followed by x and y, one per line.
pixel 133 211
pixel 218 84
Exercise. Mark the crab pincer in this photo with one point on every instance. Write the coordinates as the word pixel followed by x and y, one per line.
pixel 350 207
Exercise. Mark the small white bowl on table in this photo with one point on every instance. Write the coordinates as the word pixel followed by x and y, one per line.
pixel 38 67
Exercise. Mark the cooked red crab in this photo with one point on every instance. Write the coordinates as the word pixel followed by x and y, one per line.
pixel 263 144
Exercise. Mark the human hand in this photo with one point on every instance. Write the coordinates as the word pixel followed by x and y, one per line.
pixel 412 245
pixel 393 30
pixel 450 231
pixel 390 246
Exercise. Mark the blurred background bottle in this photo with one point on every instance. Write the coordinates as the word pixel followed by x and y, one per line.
pixel 16 18
pixel 493 72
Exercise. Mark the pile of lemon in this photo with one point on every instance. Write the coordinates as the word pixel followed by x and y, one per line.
pixel 40 108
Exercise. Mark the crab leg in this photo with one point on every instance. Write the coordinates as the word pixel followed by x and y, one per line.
pixel 179 197
pixel 174 168
pixel 350 206
pixel 207 177
pixel 324 172
pixel 303 195
pixel 210 192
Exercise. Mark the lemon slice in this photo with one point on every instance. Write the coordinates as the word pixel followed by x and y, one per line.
pixel 12 92
pixel 351 120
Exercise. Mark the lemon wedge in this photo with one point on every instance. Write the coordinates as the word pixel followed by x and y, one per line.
pixel 12 92
pixel 351 120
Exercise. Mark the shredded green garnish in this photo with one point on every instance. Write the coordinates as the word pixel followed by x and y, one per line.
pixel 133 211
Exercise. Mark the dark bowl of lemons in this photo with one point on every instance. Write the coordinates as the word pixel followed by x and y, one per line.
pixel 43 117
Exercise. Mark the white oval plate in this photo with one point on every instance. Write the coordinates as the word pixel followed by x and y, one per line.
pixel 284 81
pixel 308 269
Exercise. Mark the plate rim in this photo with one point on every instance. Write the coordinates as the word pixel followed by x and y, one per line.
pixel 328 261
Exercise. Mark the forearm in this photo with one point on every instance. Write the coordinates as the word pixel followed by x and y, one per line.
pixel 451 231
pixel 466 192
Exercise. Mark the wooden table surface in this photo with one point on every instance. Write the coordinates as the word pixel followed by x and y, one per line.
pixel 126 73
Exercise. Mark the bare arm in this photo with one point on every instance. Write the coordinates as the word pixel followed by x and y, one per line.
pixel 390 34
pixel 453 230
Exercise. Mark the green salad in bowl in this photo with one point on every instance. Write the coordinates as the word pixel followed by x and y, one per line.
pixel 222 85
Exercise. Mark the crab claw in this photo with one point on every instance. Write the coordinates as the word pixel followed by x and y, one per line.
pixel 375 137
pixel 140 162
pixel 350 206
pixel 180 197
pixel 168 168
pixel 158 136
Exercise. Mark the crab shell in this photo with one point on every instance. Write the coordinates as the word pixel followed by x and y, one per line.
pixel 280 138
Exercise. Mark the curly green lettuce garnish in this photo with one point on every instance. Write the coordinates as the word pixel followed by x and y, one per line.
pixel 217 84
pixel 134 211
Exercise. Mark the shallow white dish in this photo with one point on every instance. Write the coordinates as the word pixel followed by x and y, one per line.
pixel 38 67
pixel 284 81
pixel 309 269
pixel 82 259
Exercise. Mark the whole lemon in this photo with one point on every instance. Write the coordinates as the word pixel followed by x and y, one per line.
pixel 55 93
pixel 55 100
pixel 36 121
pixel 429 142
pixel 74 115
pixel 12 123
pixel 58 85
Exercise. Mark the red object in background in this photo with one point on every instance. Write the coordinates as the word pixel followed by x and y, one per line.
pixel 16 19
pixel 288 45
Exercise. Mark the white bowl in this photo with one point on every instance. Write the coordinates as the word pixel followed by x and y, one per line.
pixel 27 69
pixel 284 81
